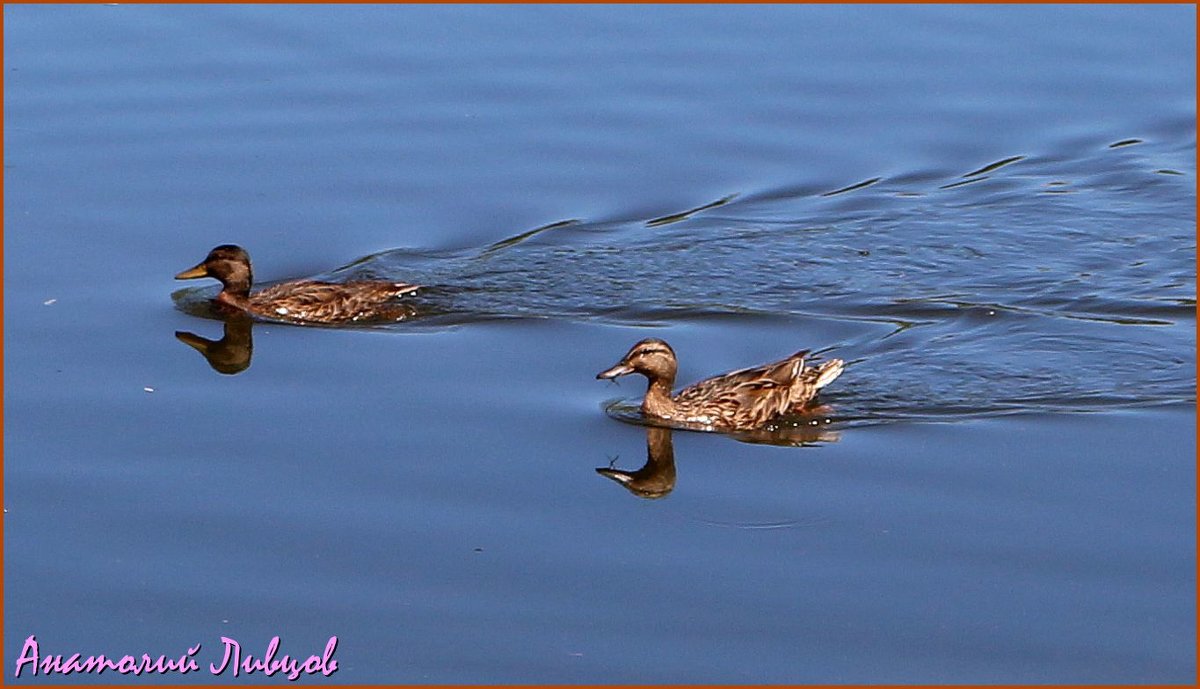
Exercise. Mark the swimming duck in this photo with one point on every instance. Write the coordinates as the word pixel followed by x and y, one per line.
pixel 741 400
pixel 302 301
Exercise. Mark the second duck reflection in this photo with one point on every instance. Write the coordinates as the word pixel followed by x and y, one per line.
pixel 656 478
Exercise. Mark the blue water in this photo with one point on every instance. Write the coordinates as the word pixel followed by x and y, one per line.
pixel 987 211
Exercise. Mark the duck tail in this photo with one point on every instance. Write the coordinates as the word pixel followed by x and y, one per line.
pixel 828 372
pixel 402 288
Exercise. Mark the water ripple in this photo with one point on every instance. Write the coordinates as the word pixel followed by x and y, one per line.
pixel 995 296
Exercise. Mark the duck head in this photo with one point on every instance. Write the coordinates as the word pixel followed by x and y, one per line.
pixel 228 263
pixel 651 357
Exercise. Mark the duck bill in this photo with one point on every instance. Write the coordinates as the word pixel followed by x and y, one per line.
pixel 621 369
pixel 194 341
pixel 200 271
pixel 618 475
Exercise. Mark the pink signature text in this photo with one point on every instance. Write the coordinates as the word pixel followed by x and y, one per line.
pixel 37 663
pixel 269 665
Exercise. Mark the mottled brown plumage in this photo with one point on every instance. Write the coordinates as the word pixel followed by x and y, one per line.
pixel 301 301
pixel 741 400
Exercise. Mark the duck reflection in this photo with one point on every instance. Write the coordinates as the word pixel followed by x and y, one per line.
pixel 229 355
pixel 657 477
pixel 809 427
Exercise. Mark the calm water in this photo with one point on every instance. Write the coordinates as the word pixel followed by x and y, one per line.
pixel 989 212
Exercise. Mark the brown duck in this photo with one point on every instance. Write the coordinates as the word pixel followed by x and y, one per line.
pixel 741 400
pixel 301 301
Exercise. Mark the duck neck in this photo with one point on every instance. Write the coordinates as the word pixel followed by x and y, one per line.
pixel 658 400
pixel 236 279
pixel 228 296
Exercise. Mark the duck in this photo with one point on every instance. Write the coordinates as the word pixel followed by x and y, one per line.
pixel 299 301
pixel 747 399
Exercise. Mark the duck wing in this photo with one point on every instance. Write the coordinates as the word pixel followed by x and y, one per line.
pixel 745 398
pixel 327 302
